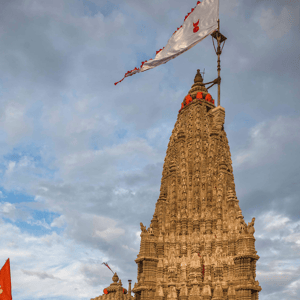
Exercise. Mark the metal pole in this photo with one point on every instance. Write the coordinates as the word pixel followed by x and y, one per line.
pixel 219 65
pixel 220 39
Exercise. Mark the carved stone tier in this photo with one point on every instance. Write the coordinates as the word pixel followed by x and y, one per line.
pixel 116 291
pixel 198 245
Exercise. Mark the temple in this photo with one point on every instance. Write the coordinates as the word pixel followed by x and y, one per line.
pixel 198 245
pixel 116 291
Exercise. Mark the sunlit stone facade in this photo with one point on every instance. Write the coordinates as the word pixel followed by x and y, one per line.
pixel 198 246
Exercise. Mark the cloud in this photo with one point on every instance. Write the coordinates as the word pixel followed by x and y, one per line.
pixel 269 142
pixel 40 275
pixel 58 222
pixel 13 212
pixel 275 222
pixel 278 26
pixel 42 223
pixel 51 257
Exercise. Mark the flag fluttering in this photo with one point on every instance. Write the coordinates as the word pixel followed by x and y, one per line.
pixel 104 263
pixel 197 25
pixel 5 282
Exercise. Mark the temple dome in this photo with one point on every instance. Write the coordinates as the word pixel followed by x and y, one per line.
pixel 198 85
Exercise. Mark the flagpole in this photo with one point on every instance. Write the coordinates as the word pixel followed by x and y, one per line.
pixel 220 39
pixel 219 64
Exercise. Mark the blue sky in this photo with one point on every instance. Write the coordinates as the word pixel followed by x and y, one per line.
pixel 81 159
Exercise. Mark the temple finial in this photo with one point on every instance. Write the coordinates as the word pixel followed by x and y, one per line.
pixel 198 77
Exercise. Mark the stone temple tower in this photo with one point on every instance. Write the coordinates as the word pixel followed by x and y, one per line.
pixel 198 246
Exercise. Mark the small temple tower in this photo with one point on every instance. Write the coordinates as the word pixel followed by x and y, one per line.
pixel 115 291
pixel 198 246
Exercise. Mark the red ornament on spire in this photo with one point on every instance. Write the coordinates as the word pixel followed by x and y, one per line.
pixel 208 97
pixel 188 99
pixel 199 95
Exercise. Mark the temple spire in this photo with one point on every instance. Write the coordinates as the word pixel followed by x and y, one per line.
pixel 198 77
pixel 198 245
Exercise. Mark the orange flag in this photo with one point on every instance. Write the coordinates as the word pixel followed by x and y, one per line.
pixel 5 282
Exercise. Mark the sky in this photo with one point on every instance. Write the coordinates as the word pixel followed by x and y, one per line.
pixel 81 159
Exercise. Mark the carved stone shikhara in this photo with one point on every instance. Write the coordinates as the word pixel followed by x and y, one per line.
pixel 115 291
pixel 198 245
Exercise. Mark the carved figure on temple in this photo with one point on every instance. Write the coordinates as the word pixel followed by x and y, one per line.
pixel 172 293
pixel 225 222
pixel 219 251
pixel 218 292
pixel 195 261
pixel 207 260
pixel 183 290
pixel 206 291
pixel 165 260
pixel 143 228
pixel 202 213
pixel 183 262
pixel 150 230
pixel 194 236
pixel 250 226
pixel 142 278
pixel 242 227
pixel 160 237
pixel 159 290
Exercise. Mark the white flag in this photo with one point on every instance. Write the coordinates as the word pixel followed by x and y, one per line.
pixel 197 25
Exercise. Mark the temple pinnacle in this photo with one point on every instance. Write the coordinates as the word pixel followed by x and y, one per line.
pixel 198 85
pixel 198 77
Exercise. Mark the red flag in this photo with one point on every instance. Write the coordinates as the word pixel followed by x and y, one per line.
pixel 5 282
pixel 104 263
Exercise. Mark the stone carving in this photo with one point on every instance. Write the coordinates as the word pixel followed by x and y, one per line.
pixel 197 212
pixel 143 228
pixel 250 226
pixel 172 295
pixel 195 261
pixel 159 290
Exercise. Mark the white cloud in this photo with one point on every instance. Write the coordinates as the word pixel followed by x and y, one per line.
pixel 42 223
pixel 10 168
pixel 106 229
pixel 13 211
pixel 8 208
pixel 275 221
pixel 59 222
pixel 15 122
pixel 278 26
pixel 268 142
pixel 49 265
pixel 41 275
pixel 131 249
pixel 109 233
